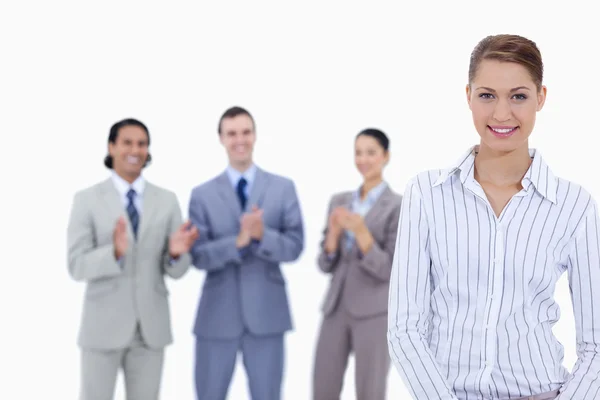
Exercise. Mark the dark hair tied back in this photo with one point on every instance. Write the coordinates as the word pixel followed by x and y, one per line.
pixel 114 133
pixel 378 135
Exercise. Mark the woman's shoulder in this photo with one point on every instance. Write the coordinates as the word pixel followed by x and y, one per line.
pixel 425 180
pixel 341 197
pixel 568 191
pixel 395 196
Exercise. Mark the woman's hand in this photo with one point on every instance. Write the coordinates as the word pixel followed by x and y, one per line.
pixel 334 229
pixel 352 222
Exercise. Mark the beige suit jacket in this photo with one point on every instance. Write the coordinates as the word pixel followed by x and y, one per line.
pixel 119 295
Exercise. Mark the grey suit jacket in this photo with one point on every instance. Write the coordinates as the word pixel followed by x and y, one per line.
pixel 364 279
pixel 244 289
pixel 120 295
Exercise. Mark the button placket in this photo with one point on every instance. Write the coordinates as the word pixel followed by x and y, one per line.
pixel 495 287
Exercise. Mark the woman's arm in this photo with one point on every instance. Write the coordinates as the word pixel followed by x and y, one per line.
pixel 408 309
pixel 584 274
pixel 377 260
pixel 329 246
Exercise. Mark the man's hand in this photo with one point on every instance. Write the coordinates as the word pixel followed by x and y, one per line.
pixel 253 223
pixel 251 227
pixel 243 239
pixel 120 238
pixel 182 239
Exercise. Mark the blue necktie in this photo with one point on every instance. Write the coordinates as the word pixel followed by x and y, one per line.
pixel 241 192
pixel 134 217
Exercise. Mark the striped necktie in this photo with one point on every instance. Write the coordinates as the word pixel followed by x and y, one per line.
pixel 134 217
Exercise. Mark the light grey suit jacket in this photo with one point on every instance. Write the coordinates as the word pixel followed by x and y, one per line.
pixel 364 278
pixel 118 296
pixel 245 289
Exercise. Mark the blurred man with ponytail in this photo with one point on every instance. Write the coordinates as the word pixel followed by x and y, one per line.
pixel 124 235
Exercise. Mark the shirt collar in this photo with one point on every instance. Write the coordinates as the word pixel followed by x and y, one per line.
pixel 235 175
pixel 372 195
pixel 538 175
pixel 123 186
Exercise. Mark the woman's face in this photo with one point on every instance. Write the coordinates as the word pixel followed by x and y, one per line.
pixel 369 157
pixel 504 101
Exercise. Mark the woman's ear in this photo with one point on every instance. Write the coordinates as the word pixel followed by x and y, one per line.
pixel 541 98
pixel 468 92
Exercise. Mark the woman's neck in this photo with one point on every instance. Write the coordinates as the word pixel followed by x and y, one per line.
pixel 368 185
pixel 501 169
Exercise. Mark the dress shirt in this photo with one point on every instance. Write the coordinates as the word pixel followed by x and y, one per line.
pixel 123 187
pixel 471 305
pixel 138 185
pixel 362 207
pixel 234 176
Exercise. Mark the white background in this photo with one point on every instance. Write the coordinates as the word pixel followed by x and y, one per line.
pixel 313 74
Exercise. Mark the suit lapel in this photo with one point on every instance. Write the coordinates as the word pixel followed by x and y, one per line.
pixel 258 189
pixel 375 209
pixel 378 207
pixel 114 204
pixel 372 215
pixel 150 207
pixel 228 194
pixel 346 201
pixel 255 197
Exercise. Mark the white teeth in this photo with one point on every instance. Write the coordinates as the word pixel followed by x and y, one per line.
pixel 133 160
pixel 503 130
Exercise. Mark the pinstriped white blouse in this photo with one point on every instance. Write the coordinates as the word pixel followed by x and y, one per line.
pixel 471 305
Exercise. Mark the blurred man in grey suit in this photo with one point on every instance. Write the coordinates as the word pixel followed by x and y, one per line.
pixel 249 222
pixel 124 234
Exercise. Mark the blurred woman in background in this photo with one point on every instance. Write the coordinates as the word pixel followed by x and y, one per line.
pixel 357 250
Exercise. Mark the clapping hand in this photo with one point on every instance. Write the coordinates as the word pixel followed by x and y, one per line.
pixel 351 222
pixel 120 237
pixel 251 227
pixel 334 225
pixel 182 239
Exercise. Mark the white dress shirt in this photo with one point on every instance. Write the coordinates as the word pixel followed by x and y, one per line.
pixel 123 187
pixel 471 304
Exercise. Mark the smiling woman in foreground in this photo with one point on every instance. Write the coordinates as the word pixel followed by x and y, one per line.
pixel 481 246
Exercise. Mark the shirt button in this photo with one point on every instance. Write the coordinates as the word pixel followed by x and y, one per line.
pixel 488 363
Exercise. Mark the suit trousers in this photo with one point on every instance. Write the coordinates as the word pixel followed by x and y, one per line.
pixel 340 335
pixel 263 357
pixel 142 370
